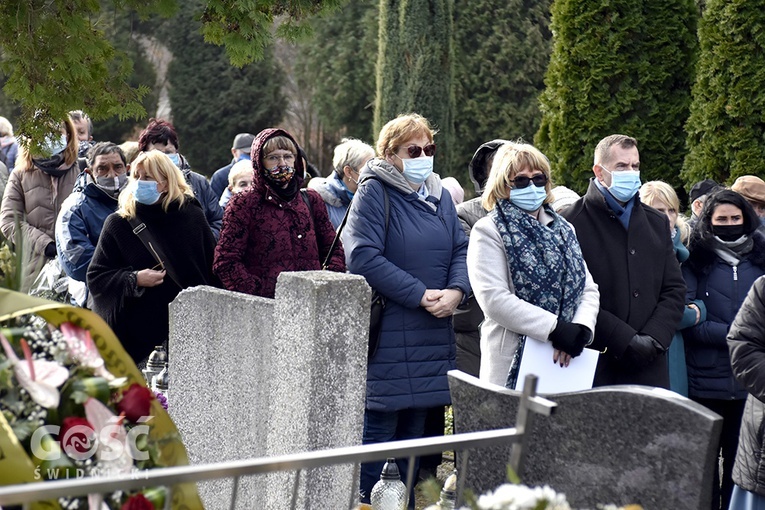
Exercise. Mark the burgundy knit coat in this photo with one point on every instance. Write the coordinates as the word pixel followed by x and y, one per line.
pixel 263 235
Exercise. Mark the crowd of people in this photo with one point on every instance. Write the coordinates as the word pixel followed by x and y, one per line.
pixel 466 284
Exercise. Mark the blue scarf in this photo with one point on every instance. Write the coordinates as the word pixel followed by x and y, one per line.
pixel 545 263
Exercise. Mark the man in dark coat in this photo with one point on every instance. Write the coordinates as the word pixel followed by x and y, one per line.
pixel 628 250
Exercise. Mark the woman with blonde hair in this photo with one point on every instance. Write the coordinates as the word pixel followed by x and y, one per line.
pixel 156 244
pixel 404 237
pixel 33 196
pixel 526 269
pixel 662 197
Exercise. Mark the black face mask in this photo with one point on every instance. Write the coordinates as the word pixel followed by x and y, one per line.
pixel 728 233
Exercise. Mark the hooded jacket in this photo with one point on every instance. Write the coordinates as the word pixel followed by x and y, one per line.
pixel 79 225
pixel 335 196
pixel 424 248
pixel 34 198
pixel 205 195
pixel 722 287
pixel 264 235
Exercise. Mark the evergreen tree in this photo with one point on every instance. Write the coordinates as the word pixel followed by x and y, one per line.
pixel 339 60
pixel 415 68
pixel 623 66
pixel 502 50
pixel 56 57
pixel 213 101
pixel 726 129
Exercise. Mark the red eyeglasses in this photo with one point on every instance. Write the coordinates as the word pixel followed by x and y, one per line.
pixel 415 150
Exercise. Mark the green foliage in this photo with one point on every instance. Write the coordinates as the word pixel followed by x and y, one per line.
pixel 502 50
pixel 339 60
pixel 726 128
pixel 213 101
pixel 56 58
pixel 415 68
pixel 618 67
pixel 244 26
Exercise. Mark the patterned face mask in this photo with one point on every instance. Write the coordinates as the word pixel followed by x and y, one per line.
pixel 280 174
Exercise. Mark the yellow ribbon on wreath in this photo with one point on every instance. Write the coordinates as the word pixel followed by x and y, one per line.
pixel 16 466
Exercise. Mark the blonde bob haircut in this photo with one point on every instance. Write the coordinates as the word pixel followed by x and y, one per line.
pixel 511 158
pixel 158 166
pixel 653 191
pixel 24 160
pixel 402 129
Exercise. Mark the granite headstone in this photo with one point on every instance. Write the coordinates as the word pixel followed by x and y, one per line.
pixel 254 377
pixel 619 444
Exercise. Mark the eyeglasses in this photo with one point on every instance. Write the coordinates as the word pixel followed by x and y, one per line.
pixel 522 181
pixel 273 158
pixel 415 150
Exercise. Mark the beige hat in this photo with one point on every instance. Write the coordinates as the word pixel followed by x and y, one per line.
pixel 563 197
pixel 750 187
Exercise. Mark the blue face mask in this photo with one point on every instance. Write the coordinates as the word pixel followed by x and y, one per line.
pixel 417 170
pixel 146 192
pixel 529 198
pixel 175 158
pixel 624 184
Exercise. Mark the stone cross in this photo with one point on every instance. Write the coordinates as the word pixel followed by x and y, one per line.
pixel 618 444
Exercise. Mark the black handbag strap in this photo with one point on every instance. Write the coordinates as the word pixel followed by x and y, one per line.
pixel 345 219
pixel 154 248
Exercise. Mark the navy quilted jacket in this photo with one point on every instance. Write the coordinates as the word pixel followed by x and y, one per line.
pixel 722 288
pixel 425 248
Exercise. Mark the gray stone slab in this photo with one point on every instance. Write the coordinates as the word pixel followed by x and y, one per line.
pixel 618 444
pixel 255 377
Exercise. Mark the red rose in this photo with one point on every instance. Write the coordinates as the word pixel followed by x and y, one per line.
pixel 138 502
pixel 136 402
pixel 77 438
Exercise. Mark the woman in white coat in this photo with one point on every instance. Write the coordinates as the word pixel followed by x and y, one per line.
pixel 526 269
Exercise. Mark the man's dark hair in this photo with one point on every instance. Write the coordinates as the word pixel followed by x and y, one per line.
pixel 103 148
pixel 78 115
pixel 157 131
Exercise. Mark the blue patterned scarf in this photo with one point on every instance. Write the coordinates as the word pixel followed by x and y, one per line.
pixel 545 263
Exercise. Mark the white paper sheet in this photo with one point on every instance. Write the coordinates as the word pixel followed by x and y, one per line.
pixel 538 360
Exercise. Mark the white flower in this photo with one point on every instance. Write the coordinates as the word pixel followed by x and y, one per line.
pixel 40 378
pixel 520 497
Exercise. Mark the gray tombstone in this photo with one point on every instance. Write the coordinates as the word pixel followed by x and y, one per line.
pixel 254 377
pixel 619 444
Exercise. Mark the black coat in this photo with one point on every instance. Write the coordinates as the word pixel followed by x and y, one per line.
pixel 641 287
pixel 141 319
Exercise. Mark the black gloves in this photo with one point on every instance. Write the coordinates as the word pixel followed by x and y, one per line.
pixel 50 250
pixel 642 350
pixel 570 338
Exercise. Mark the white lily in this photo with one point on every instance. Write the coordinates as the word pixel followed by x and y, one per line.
pixel 40 378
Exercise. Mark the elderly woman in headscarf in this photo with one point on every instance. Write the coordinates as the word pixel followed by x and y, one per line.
pixel 274 226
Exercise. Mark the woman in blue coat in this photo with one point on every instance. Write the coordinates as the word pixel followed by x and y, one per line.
pixel 727 256
pixel 404 237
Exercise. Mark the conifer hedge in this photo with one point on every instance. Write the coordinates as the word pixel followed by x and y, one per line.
pixel 623 66
pixel 502 50
pixel 415 68
pixel 726 129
